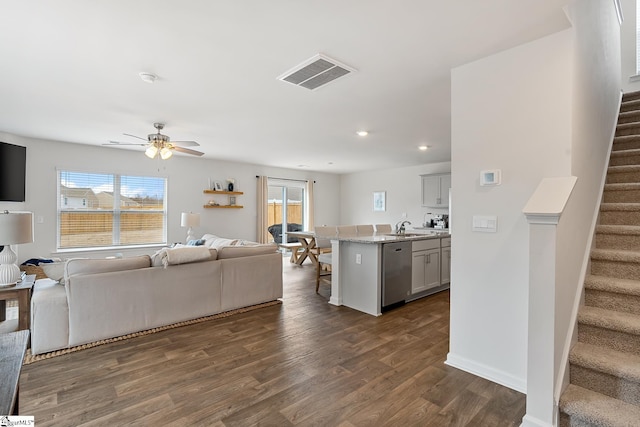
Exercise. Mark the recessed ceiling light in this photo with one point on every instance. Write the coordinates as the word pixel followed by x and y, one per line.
pixel 423 147
pixel 362 133
pixel 148 77
pixel 303 166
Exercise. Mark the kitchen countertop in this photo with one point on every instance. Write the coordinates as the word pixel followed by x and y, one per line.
pixel 388 238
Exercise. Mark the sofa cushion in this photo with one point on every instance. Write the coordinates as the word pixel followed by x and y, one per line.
pixel 246 250
pixel 159 257
pixel 49 317
pixel 216 242
pixel 89 266
pixel 186 255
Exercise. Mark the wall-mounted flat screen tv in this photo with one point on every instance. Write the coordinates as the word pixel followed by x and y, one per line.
pixel 13 168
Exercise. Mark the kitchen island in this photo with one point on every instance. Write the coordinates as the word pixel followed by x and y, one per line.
pixel 367 280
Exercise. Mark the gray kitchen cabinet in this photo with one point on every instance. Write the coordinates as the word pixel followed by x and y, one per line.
pixel 425 267
pixel 435 190
pixel 445 260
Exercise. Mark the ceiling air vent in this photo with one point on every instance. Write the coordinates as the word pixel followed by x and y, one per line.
pixel 315 72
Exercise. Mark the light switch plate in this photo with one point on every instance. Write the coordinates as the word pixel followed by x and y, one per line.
pixel 485 223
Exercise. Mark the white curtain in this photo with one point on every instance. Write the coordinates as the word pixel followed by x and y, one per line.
pixel 262 214
pixel 309 203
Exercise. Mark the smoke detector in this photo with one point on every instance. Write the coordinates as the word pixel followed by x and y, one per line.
pixel 148 77
pixel 316 72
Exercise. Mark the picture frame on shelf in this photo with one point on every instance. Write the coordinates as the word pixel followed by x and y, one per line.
pixel 232 200
pixel 217 186
pixel 379 201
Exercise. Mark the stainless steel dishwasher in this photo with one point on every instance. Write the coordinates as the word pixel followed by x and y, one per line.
pixel 396 274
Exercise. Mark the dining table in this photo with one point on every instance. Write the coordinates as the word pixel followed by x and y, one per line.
pixel 308 241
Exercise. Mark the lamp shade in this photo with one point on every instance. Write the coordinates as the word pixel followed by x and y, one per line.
pixel 151 151
pixel 16 227
pixel 190 219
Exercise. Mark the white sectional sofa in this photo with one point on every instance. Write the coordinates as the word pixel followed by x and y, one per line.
pixel 107 298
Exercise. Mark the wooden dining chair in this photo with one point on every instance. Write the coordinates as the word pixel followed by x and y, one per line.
pixel 321 272
pixel 383 228
pixel 323 235
pixel 347 230
pixel 322 250
pixel 364 230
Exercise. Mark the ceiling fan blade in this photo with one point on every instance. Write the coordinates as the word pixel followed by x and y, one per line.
pixel 123 143
pixel 186 143
pixel 135 136
pixel 187 151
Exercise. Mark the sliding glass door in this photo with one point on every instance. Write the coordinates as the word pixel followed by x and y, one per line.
pixel 286 208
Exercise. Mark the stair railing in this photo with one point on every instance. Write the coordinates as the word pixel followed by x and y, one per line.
pixel 543 212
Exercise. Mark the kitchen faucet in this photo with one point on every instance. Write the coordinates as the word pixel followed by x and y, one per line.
pixel 400 227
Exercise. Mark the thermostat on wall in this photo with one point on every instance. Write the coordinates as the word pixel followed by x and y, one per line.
pixel 490 177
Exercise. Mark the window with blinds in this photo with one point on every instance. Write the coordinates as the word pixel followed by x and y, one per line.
pixel 105 210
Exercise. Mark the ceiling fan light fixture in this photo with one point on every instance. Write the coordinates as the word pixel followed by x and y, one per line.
pixel 165 153
pixel 151 151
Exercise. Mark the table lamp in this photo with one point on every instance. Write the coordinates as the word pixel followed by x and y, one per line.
pixel 15 228
pixel 190 219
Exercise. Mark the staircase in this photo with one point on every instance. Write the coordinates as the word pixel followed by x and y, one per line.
pixel 604 388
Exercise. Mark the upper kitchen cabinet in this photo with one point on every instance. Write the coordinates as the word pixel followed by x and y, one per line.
pixel 435 190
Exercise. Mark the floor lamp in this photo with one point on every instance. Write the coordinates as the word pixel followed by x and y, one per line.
pixel 15 228
pixel 190 219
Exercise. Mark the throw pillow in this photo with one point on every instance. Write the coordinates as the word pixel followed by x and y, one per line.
pixel 198 242
pixel 54 270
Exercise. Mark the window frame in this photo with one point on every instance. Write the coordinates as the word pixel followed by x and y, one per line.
pixel 116 211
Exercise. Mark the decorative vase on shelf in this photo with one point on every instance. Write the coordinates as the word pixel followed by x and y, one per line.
pixel 230 186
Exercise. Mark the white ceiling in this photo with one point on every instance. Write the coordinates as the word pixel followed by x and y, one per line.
pixel 69 72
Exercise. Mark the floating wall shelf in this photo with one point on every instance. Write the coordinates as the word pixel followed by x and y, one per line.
pixel 223 193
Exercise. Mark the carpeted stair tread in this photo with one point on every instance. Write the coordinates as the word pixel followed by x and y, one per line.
pixel 630 96
pixel 624 126
pixel 615 255
pixel 625 142
pixel 625 230
pixel 597 409
pixel 612 284
pixel 629 116
pixel 624 168
pixel 631 105
pixel 625 153
pixel 632 128
pixel 622 186
pixel 607 319
pixel 623 173
pixel 625 138
pixel 609 361
pixel 627 207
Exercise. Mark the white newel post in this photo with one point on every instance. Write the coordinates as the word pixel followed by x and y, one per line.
pixel 543 212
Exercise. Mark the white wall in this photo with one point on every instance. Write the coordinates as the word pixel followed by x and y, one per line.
pixel 404 195
pixel 628 46
pixel 187 178
pixel 595 105
pixel 510 111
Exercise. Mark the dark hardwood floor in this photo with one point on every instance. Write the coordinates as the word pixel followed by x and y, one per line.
pixel 303 362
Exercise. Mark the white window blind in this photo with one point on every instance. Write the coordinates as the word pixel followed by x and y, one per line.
pixel 107 210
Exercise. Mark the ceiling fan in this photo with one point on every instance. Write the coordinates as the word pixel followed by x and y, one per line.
pixel 159 144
